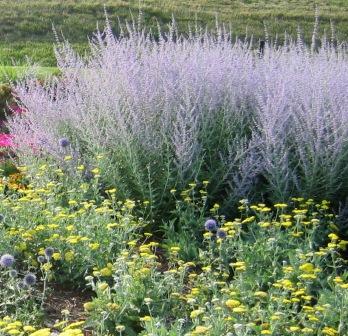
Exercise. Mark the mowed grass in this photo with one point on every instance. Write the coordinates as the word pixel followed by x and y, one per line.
pixel 26 26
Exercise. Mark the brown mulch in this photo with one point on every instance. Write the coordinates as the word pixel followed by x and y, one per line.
pixel 63 298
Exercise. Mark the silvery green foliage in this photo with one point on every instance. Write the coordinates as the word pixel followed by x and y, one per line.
pixel 171 110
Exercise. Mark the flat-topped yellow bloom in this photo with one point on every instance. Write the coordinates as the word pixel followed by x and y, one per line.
pixel 232 303
pixel 280 205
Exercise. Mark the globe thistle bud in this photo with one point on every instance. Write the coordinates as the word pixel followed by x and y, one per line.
pixel 64 142
pixel 41 259
pixel 49 252
pixel 221 234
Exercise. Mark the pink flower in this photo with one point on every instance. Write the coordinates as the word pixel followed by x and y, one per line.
pixel 6 140
pixel 17 109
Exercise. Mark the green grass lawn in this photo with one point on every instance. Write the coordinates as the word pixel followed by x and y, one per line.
pixel 8 72
pixel 26 26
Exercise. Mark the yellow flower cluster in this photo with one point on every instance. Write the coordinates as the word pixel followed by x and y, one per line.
pixel 11 327
pixel 258 274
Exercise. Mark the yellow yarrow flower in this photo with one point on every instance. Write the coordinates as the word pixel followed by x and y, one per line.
pixel 56 256
pixel 333 236
pixel 106 272
pixel 195 313
pixel 232 303
pixel 260 294
pixel 69 256
pixel 248 220
pixel 307 268
pixel 42 332
pixel 94 246
pixel 280 205
pixel 103 286
pixel 239 310
pixel 329 331
pixel 74 325
pixel 200 330
pixel 29 328
pixel 146 319
pixel 294 328
pixel 88 306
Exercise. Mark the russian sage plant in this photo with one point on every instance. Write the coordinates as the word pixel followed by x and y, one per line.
pixel 177 109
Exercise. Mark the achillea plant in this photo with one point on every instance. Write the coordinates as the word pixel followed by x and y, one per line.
pixel 169 111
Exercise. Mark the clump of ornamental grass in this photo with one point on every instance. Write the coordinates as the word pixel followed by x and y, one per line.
pixel 177 109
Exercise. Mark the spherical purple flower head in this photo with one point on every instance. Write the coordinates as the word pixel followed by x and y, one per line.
pixel 49 252
pixel 41 259
pixel 7 260
pixel 221 234
pixel 13 273
pixel 29 279
pixel 210 225
pixel 64 142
